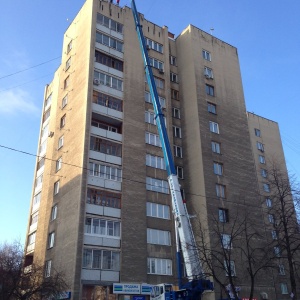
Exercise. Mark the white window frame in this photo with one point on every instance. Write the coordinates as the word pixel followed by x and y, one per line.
pixel 226 242
pixel 176 112
pixel 109 41
pixel 31 238
pixel 212 108
pixel 260 146
pixel 103 227
pixel 162 101
pixel 271 218
pixel 106 257
pixel 231 266
pixel 214 127
pixel 53 213
pixel 179 172
pixel 208 73
pixel 220 190
pixel 177 132
pixel 223 215
pixel 157 185
pixel 158 237
pixel 51 239
pixel 274 235
pixel 206 55
pixel 152 139
pixel 68 64
pixel 109 23
pixel 218 168
pixel 69 46
pixel 210 90
pixel 157 210
pixel 173 60
pixel 155 162
pixel 257 132
pixel 159 266
pixel 269 202
pixel 60 142
pixel 36 199
pixel 277 251
pixel 284 288
pixel 173 77
pixel 264 173
pixel 262 159
pixel 157 64
pixel 56 187
pixel 63 121
pixel 216 147
pixel 266 187
pixel 105 171
pixel 48 100
pixel 48 268
pixel 110 81
pixel 154 45
pixel 58 164
pixel 177 151
pixel 150 117
pixel 64 101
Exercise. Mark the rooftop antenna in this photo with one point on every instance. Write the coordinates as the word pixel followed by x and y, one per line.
pixel 211 30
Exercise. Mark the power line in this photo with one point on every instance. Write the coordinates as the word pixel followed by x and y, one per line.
pixel 124 178
pixel 43 63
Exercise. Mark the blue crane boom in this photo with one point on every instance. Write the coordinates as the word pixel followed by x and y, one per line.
pixel 187 241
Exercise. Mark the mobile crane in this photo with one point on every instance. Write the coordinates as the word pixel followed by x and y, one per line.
pixel 197 283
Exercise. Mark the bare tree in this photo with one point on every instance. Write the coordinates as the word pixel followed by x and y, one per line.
pixel 17 282
pixel 284 200
pixel 224 243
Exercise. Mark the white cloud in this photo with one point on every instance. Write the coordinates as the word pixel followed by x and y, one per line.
pixel 13 102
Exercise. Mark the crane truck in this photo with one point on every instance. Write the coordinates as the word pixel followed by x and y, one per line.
pixel 197 283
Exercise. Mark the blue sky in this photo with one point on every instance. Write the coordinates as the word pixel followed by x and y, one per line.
pixel 266 34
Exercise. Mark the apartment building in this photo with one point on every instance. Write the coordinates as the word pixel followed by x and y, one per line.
pixel 101 209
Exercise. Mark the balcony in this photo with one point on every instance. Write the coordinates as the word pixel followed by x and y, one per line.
pixel 104 183
pixel 30 247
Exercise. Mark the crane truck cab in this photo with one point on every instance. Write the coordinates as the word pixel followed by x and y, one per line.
pixel 165 291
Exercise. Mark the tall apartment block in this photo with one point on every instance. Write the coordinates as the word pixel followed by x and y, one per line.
pixel 101 209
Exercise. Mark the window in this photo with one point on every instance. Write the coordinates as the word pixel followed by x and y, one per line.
pixel 101 259
pixel 179 172
pixel 66 82
pixel 51 237
pixel 40 163
pixel 176 113
pixel 48 268
pixel 150 117
pixel 156 210
pixel 220 190
pixel 58 164
pixel 177 151
pixel 277 251
pixel 223 215
pixel 261 159
pixel 229 267
pixel 102 227
pixel 63 121
pixel 173 60
pixel 108 61
pixel 271 218
pixel 216 147
pixel 212 108
pixel 56 187
pixel 48 100
pixel 45 131
pixel 43 147
pixel 152 139
pixel 218 168
pixel 34 218
pixel 274 234
pixel 226 241
pixel 64 101
pixel 154 45
pixel 206 55
pixel 31 239
pixel 159 266
pixel 96 123
pixel 173 77
pixel 260 146
pixel 177 132
pixel 162 101
pixel 46 115
pixel 39 181
pixel 174 94
pixel 60 141
pixel 263 173
pixel 105 171
pixel 281 269
pixel 266 187
pixel 103 198
pixel 257 132
pixel 210 90
pixel 160 83
pixel 36 199
pixel 105 146
pixel 68 64
pixel 107 100
pixel 155 63
pixel 109 23
pixel 208 73
pixel 284 288
pixel 109 41
pixel 268 202
pixel 69 47
pixel 155 162
pixel 214 127
pixel 157 185
pixel 158 237
pixel 110 81
pixel 53 213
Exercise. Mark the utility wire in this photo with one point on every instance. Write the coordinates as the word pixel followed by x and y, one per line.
pixel 124 178
pixel 43 63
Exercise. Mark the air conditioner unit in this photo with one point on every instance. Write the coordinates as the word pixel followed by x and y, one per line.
pixel 161 71
pixel 264 296
pixel 96 81
pixel 51 134
pixel 206 75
